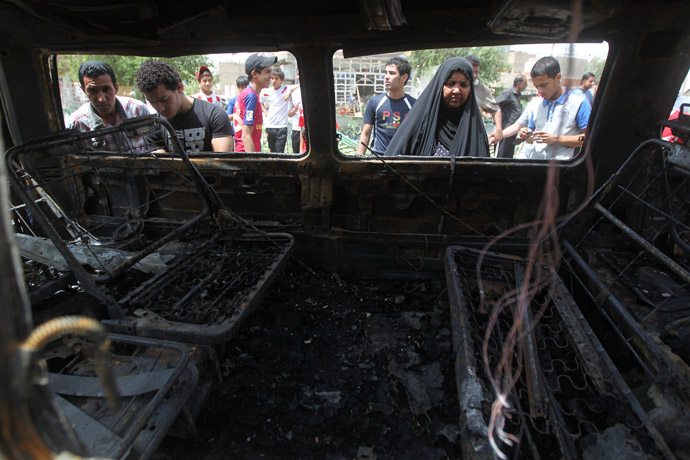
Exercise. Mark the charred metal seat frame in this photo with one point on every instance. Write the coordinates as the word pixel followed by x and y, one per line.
pixel 219 268
pixel 628 251
pixel 569 388
pixel 51 166
pixel 154 379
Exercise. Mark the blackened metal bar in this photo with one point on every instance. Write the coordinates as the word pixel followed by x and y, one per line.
pixel 651 356
pixel 151 248
pixel 583 338
pixel 598 363
pixel 86 281
pixel 475 443
pixel 156 283
pixel 145 413
pixel 535 389
pixel 663 258
pixel 22 206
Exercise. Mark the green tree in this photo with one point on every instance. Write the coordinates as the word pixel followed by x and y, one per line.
pixel 493 60
pixel 596 66
pixel 125 67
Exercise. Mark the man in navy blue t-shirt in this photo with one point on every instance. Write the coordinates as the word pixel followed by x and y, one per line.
pixel 385 112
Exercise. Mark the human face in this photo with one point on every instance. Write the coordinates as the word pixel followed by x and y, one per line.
pixel 101 93
pixel 276 81
pixel 263 78
pixel 166 102
pixel 393 80
pixel 456 90
pixel 548 88
pixel 206 83
pixel 589 82
pixel 475 70
pixel 522 86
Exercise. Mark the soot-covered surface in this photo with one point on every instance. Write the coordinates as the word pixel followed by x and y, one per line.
pixel 334 368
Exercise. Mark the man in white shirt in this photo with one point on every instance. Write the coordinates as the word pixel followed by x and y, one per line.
pixel 276 107
pixel 555 123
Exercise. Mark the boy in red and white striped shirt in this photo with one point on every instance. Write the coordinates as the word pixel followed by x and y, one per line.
pixel 205 79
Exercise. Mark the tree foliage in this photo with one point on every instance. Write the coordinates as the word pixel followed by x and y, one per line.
pixel 492 58
pixel 125 67
pixel 596 66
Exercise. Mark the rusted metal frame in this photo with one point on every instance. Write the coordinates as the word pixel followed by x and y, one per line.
pixel 209 334
pixel 582 338
pixel 29 429
pixel 211 198
pixel 152 248
pixel 133 125
pixel 144 445
pixel 597 362
pixel 49 288
pixel 610 184
pixel 548 400
pixel 143 290
pixel 535 383
pixel 474 430
pixel 672 219
pixel 211 201
pixel 85 279
pixel 143 414
pixel 663 258
pixel 136 439
pixel 652 357
pixel 213 274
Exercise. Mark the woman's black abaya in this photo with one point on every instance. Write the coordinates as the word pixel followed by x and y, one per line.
pixel 430 122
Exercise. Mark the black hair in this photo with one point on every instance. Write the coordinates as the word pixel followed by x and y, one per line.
pixel 548 66
pixel 277 72
pixel 518 79
pixel 93 69
pixel 403 66
pixel 587 76
pixel 474 60
pixel 153 73
pixel 242 81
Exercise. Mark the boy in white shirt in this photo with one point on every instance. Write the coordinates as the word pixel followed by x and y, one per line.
pixel 276 111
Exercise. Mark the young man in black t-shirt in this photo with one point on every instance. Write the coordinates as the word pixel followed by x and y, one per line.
pixel 200 126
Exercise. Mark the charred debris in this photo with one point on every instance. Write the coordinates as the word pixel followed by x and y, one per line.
pixel 496 354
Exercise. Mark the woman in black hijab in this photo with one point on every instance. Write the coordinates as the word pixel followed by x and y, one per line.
pixel 445 120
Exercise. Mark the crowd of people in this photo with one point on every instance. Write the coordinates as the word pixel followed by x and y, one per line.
pixel 445 121
pixel 201 122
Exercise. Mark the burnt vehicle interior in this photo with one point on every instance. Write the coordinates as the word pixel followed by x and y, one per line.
pixel 320 305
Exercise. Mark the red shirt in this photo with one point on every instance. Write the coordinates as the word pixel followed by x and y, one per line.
pixel 248 112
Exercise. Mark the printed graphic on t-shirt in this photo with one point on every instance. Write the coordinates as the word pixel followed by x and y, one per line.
pixel 391 120
pixel 192 139
pixel 249 117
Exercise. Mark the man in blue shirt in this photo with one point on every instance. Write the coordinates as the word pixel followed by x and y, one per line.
pixel 553 124
pixel 385 112
pixel 242 82
pixel 585 88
